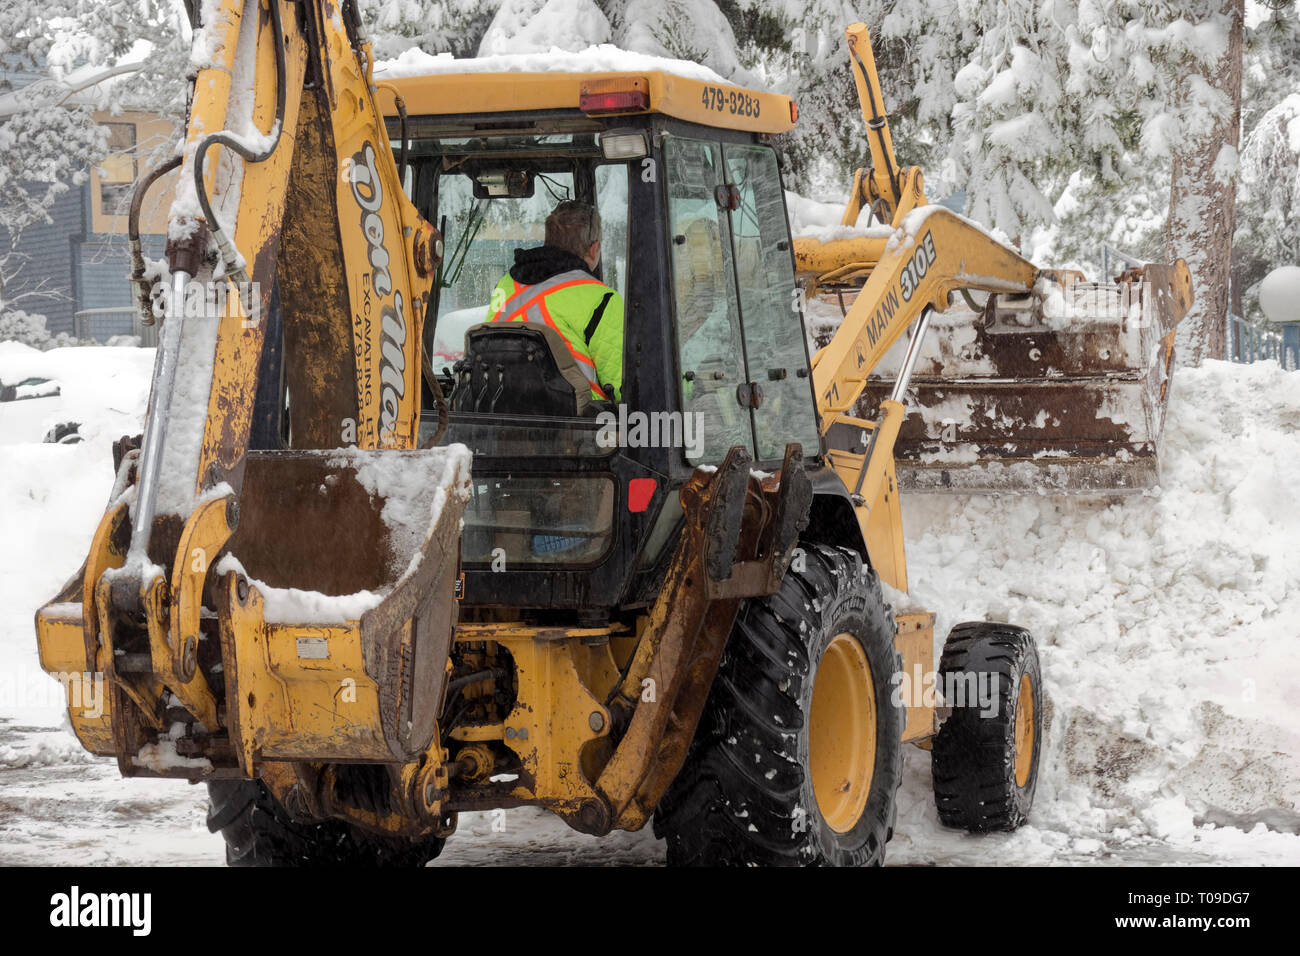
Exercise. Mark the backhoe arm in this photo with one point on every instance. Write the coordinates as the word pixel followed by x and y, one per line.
pixel 288 194
pixel 888 191
pixel 287 177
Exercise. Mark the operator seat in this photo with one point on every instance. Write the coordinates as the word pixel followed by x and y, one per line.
pixel 520 368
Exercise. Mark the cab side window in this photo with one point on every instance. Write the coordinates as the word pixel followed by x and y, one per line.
pixel 769 310
pixel 709 345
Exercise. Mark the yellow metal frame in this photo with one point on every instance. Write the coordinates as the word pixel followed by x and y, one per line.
pixel 914 641
pixel 282 705
pixel 458 94
pixel 561 679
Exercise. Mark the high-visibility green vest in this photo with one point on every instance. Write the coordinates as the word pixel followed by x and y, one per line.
pixel 587 313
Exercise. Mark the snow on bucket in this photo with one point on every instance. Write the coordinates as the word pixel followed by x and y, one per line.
pixel 337 603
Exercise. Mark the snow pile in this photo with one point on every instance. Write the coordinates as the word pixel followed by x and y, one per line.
pixel 1167 625
pixel 52 496
pixel 601 58
pixel 810 219
pixel 540 26
pixel 44 751
pixel 103 390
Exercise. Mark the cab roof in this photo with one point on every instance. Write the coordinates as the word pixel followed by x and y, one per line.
pixel 596 94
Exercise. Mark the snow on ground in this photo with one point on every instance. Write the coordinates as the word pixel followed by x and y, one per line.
pixel 1166 624
pixel 52 496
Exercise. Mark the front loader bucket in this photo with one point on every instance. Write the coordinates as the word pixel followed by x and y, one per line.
pixel 1062 391
pixel 325 630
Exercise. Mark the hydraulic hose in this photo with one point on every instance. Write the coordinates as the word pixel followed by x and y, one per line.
pixel 133 236
pixel 225 247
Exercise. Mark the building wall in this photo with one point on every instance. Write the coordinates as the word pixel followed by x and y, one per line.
pixel 50 249
pixel 82 252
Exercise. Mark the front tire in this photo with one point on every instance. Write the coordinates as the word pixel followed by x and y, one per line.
pixel 984 765
pixel 259 832
pixel 797 757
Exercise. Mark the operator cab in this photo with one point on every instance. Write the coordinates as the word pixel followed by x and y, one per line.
pixel 696 241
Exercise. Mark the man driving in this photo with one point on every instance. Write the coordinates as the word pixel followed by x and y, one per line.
pixel 555 284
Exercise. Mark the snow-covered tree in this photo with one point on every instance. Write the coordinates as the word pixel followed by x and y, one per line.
pixel 1268 233
pixel 538 26
pixel 1268 205
pixel 1105 88
pixel 48 141
pixel 918 49
pixel 1012 119
pixel 440 26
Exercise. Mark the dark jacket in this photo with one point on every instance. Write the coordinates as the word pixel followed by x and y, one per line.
pixel 537 265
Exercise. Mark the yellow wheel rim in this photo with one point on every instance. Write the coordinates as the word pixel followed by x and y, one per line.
pixel 842 733
pixel 1024 730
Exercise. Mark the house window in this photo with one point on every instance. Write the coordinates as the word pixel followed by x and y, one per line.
pixel 117 171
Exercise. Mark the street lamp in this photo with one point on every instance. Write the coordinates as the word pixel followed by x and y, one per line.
pixel 1279 300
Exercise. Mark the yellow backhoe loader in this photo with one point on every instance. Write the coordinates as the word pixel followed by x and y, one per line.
pixel 374 562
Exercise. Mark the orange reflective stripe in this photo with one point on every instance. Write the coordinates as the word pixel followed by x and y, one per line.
pixel 581 359
pixel 543 294
pixel 533 308
pixel 558 281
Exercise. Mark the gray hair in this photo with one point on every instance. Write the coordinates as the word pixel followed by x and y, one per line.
pixel 573 226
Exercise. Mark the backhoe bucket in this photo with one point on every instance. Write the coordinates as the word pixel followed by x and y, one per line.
pixel 325 630
pixel 1061 391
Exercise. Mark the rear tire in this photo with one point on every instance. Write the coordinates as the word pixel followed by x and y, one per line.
pixel 985 768
pixel 778 774
pixel 259 832
pixel 65 433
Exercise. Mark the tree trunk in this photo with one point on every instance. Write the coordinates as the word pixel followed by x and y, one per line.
pixel 1202 205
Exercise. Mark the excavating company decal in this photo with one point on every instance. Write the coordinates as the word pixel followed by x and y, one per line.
pixel 368 193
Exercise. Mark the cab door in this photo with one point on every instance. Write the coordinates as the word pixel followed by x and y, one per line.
pixel 770 311
pixel 710 348
pixel 740 343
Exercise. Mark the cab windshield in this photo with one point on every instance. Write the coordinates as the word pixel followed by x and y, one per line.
pixel 491 195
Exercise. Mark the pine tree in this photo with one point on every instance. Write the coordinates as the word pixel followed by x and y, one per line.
pixel 1268 204
pixel 1012 122
pixel 1268 233
pixel 442 26
pixel 47 144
